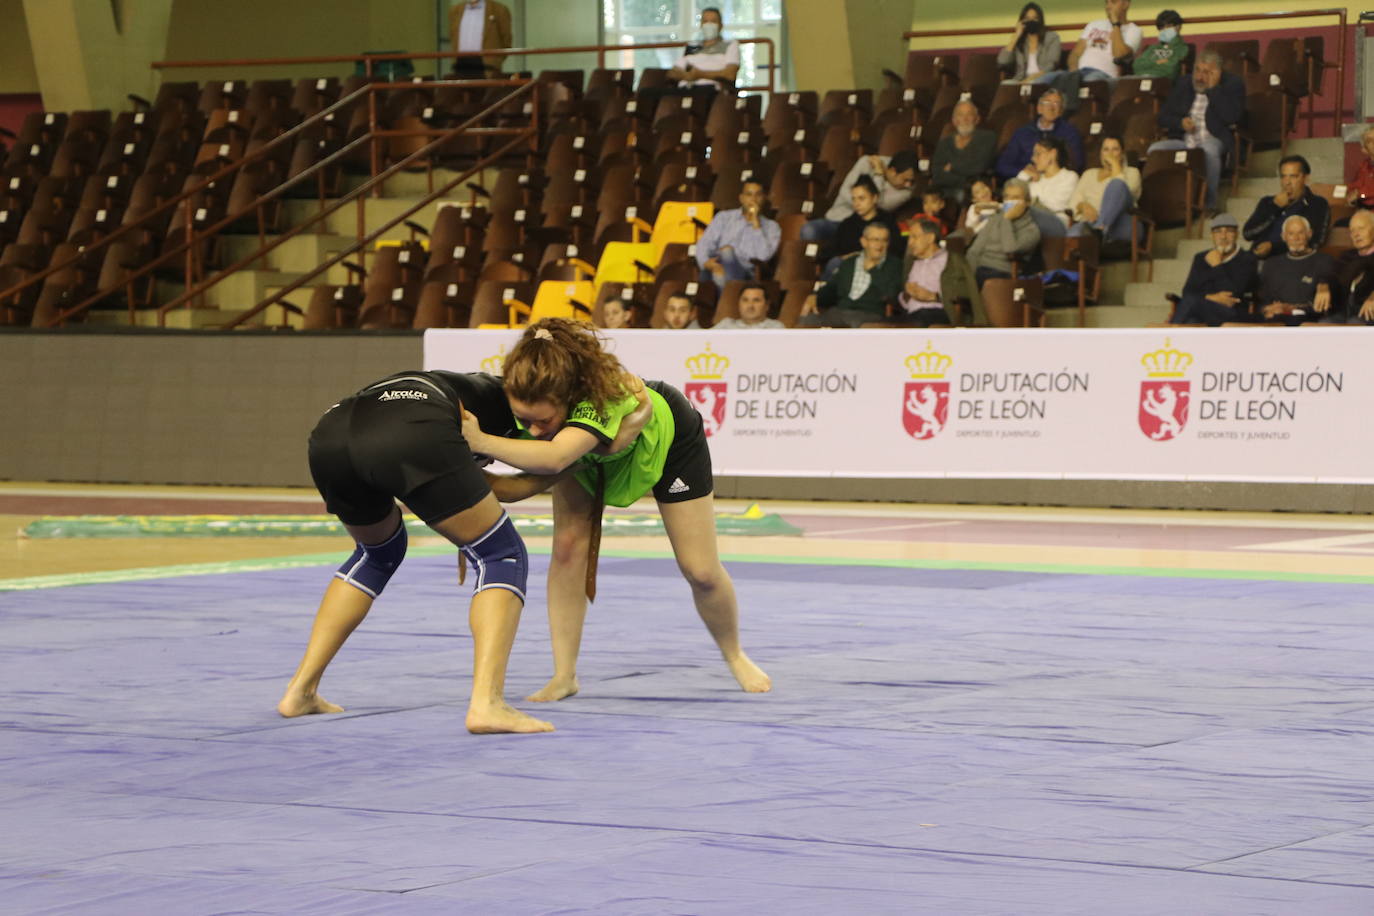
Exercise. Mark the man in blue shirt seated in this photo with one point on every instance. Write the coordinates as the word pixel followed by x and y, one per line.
pixel 737 238
pixel 1050 121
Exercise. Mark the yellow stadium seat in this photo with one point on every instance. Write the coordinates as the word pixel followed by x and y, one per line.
pixel 678 222
pixel 555 299
pixel 617 264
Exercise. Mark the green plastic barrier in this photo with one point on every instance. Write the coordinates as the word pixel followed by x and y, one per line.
pixel 753 522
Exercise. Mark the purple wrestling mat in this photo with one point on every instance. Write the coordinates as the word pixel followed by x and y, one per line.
pixel 937 742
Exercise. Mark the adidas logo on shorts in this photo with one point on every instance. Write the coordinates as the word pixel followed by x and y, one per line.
pixel 678 486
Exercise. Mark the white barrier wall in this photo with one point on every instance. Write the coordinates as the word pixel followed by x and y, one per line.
pixel 1264 404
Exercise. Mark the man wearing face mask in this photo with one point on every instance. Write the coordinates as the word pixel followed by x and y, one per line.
pixel 1164 58
pixel 1220 280
pixel 713 62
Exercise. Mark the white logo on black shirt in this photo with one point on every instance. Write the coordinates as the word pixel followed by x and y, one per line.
pixel 403 394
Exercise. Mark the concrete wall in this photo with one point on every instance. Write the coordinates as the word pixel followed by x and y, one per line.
pixel 17 73
pixel 213 29
pixel 554 24
pixel 177 408
pixel 236 409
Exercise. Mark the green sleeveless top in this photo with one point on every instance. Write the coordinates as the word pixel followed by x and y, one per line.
pixel 631 472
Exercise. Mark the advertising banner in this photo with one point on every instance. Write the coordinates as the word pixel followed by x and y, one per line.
pixel 1262 404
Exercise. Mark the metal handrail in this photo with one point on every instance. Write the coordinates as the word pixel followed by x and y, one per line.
pixel 191 239
pixel 526 133
pixel 357 194
pixel 1338 65
pixel 368 60
pixel 170 203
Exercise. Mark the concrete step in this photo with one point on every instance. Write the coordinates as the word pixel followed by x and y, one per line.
pixel 1106 316
pixel 1151 295
pixel 236 293
pixel 298 254
pixel 379 210
pixel 1168 271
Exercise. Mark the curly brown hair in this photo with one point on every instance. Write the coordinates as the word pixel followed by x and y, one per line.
pixel 564 362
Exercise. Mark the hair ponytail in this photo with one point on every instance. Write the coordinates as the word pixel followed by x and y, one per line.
pixel 563 361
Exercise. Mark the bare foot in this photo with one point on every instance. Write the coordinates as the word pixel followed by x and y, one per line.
pixel 750 676
pixel 297 704
pixel 503 719
pixel 556 689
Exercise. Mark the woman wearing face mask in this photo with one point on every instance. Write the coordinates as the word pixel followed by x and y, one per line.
pixel 1164 58
pixel 1032 52
pixel 711 64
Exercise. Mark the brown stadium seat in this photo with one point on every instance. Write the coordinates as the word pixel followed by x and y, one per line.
pixel 1240 56
pixel 797 261
pixel 794 296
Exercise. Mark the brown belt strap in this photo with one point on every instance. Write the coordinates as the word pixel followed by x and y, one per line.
pixel 594 540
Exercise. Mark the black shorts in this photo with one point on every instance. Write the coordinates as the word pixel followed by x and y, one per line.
pixel 687 470
pixel 378 445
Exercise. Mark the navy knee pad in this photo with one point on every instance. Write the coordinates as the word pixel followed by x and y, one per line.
pixel 371 567
pixel 499 558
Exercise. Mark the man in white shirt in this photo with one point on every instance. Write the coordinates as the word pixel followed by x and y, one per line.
pixel 1105 41
pixel 712 63
pixel 479 25
pixel 753 311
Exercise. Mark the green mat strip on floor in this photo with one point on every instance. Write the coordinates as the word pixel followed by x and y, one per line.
pixel 752 522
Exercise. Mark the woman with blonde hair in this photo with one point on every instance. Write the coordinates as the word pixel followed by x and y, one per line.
pixel 569 398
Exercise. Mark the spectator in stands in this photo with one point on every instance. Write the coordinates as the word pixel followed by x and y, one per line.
pixel 479 25
pixel 1220 281
pixel 1008 234
pixel 963 154
pixel 1051 187
pixel 982 205
pixel 1296 286
pixel 849 234
pixel 737 238
pixel 933 206
pixel 860 290
pixel 1202 112
pixel 1354 282
pixel 616 314
pixel 1049 121
pixel 1104 196
pixel 1264 228
pixel 680 313
pixel 1361 189
pixel 1032 51
pixel 711 63
pixel 753 311
pixel 1103 44
pixel 893 176
pixel 921 303
pixel 1165 57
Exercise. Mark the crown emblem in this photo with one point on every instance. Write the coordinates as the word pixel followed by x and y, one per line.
pixel 706 365
pixel 1166 362
pixel 929 363
pixel 494 364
